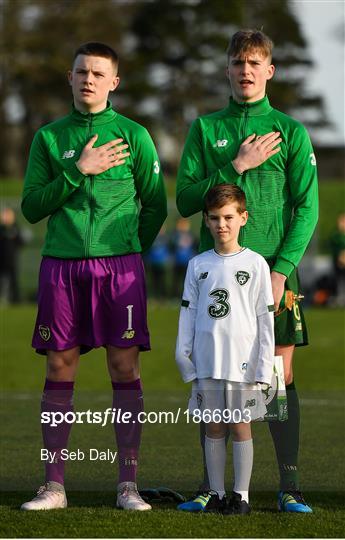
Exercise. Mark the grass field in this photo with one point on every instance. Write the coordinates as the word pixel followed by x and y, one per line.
pixel 170 454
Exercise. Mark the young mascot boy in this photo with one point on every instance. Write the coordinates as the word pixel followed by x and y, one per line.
pixel 269 155
pixel 96 174
pixel 226 327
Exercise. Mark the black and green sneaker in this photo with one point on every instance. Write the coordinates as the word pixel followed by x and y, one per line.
pixel 236 505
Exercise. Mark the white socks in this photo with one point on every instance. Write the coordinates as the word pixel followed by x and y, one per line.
pixel 243 464
pixel 215 453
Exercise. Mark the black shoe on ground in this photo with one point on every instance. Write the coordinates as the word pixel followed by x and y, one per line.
pixel 215 505
pixel 236 505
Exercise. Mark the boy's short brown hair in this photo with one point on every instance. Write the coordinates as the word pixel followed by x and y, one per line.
pixel 223 194
pixel 245 41
pixel 95 48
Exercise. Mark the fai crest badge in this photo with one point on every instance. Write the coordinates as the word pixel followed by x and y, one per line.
pixel 44 332
pixel 242 277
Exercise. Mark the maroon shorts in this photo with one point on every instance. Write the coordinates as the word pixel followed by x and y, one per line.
pixel 91 303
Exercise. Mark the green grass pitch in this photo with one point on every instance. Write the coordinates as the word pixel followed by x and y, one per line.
pixel 170 453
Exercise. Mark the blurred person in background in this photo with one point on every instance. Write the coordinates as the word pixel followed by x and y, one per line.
pixel 157 261
pixel 184 247
pixel 11 241
pixel 337 246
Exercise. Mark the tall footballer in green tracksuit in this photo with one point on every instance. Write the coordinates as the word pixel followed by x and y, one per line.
pixel 96 175
pixel 270 156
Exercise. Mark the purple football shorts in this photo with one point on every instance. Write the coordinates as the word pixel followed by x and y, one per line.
pixel 91 303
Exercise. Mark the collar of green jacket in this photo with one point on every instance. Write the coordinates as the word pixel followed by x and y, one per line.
pixel 256 108
pixel 103 117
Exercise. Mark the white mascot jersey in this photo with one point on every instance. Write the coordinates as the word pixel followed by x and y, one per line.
pixel 226 320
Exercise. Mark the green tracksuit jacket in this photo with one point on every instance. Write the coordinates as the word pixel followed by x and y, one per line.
pixel 282 193
pixel 114 213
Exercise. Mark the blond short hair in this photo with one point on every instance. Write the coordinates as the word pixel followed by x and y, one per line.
pixel 245 41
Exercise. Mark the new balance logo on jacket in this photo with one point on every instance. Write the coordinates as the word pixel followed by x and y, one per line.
pixel 68 154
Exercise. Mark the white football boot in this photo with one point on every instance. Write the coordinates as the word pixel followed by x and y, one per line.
pixel 128 497
pixel 49 497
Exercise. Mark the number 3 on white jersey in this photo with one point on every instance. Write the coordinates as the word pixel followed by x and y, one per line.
pixel 220 307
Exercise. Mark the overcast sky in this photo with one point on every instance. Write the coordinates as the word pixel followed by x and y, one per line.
pixel 323 26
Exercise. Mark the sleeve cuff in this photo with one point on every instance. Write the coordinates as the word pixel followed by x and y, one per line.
pixel 190 378
pixel 283 267
pixel 74 176
pixel 263 378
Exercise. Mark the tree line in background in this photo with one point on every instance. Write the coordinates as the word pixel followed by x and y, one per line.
pixel 172 63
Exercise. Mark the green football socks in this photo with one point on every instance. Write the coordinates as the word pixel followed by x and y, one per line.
pixel 285 436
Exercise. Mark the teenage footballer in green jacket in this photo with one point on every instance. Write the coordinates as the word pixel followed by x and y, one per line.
pixel 270 156
pixel 96 175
